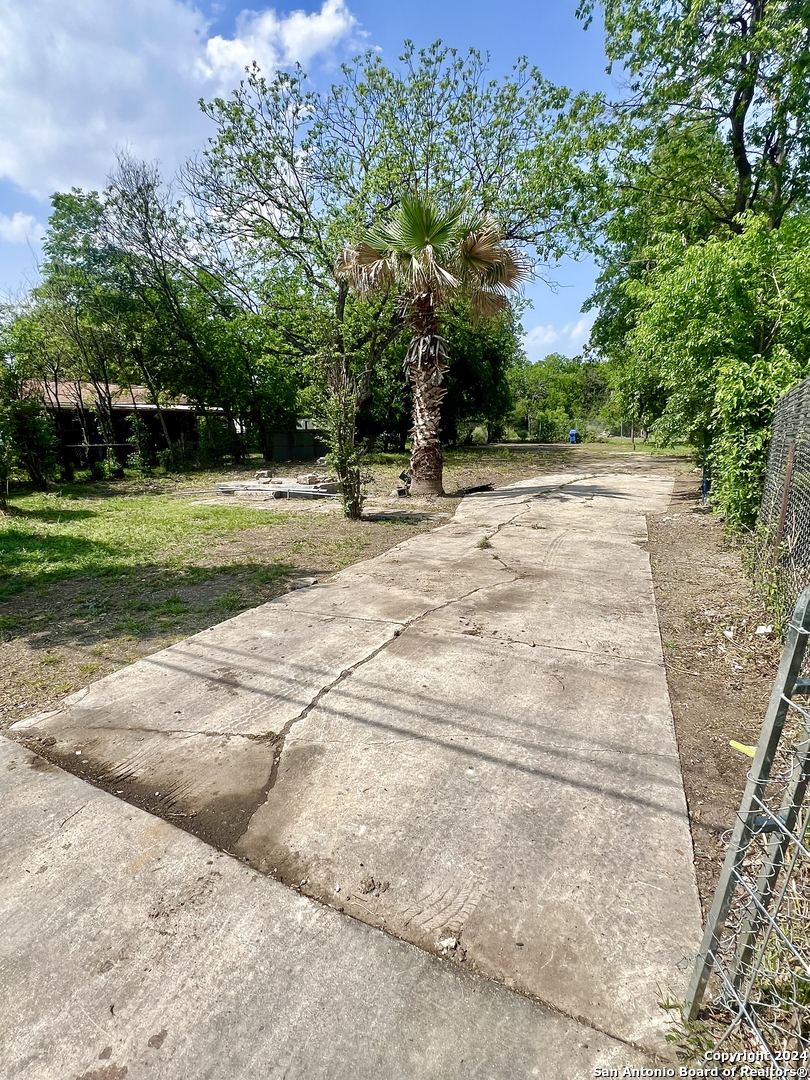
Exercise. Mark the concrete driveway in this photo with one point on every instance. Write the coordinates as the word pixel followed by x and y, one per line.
pixel 466 742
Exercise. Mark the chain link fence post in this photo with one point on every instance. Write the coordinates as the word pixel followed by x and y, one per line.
pixel 753 809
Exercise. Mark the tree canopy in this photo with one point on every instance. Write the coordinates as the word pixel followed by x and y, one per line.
pixel 690 187
pixel 701 171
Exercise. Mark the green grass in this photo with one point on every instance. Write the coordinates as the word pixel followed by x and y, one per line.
pixel 76 533
pixel 266 575
pixel 231 601
pixel 132 627
pixel 624 442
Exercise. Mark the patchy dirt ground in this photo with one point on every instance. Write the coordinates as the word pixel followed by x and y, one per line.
pixel 55 640
pixel 719 669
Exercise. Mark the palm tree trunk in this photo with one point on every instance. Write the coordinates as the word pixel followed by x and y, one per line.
pixel 425 364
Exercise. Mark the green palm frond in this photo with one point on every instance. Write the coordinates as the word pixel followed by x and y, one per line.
pixel 420 223
pixel 441 251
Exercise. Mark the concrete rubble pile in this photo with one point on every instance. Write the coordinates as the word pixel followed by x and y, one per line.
pixel 266 485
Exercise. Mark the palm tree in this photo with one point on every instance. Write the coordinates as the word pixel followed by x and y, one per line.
pixel 429 256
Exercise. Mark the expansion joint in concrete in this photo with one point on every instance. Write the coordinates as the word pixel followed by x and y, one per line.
pixel 585 1022
pixel 493 635
pixel 265 736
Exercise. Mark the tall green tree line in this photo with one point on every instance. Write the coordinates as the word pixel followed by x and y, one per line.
pixel 225 291
pixel 701 173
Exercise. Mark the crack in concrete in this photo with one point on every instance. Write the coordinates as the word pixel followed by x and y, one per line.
pixel 493 635
pixel 526 505
pixel 281 738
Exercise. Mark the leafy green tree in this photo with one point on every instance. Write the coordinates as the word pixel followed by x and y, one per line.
pixel 428 256
pixel 336 399
pixel 122 302
pixel 710 142
pixel 723 85
pixel 27 440
pixel 73 300
pixel 721 327
pixel 713 124
pixel 290 174
pixel 557 393
pixel 291 171
pixel 481 355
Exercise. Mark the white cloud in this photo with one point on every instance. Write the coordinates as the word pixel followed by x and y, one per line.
pixel 567 339
pixel 20 228
pixel 278 41
pixel 578 333
pixel 79 79
pixel 541 335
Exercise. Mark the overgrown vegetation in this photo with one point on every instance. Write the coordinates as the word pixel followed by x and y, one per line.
pixel 704 177
pixel 557 394
pixel 690 190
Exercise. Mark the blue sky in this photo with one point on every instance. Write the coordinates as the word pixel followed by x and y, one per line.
pixel 79 79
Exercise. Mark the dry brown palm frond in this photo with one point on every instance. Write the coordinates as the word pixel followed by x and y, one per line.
pixel 485 304
pixel 509 271
pixel 365 268
pixel 481 249
pixel 486 261
pixel 422 273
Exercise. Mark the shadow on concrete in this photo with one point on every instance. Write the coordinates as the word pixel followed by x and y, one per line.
pixel 416 706
pixel 580 489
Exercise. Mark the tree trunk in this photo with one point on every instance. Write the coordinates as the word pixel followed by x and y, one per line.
pixel 425 364
pixel 150 386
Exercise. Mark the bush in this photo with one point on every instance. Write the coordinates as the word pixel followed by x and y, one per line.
pixel 28 435
pixel 720 334
pixel 553 425
pixel 142 460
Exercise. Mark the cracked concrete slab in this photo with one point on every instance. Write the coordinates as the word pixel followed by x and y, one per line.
pixel 191 731
pixel 406 582
pixel 536 610
pixel 131 949
pixel 246 676
pixel 584 502
pixel 525 804
pixel 488 770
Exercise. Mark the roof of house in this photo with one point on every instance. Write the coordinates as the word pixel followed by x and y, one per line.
pixel 66 395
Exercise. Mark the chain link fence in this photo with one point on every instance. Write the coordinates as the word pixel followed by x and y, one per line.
pixel 752 976
pixel 781 557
